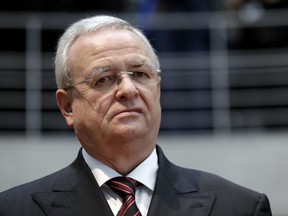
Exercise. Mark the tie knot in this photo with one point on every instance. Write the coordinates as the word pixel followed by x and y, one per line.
pixel 125 188
pixel 123 185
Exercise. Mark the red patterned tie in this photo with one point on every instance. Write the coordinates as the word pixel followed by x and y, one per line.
pixel 125 187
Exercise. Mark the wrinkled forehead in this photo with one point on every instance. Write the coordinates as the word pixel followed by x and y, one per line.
pixel 115 40
pixel 131 62
pixel 119 48
pixel 126 60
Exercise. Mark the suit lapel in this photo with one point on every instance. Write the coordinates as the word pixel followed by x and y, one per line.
pixel 176 192
pixel 75 193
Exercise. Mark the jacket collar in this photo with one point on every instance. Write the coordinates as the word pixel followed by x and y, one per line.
pixel 75 192
pixel 176 191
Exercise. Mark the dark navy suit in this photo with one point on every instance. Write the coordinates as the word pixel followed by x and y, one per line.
pixel 73 191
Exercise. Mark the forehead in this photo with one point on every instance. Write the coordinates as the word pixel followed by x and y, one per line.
pixel 108 43
pixel 114 46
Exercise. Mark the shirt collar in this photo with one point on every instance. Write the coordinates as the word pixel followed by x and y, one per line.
pixel 146 172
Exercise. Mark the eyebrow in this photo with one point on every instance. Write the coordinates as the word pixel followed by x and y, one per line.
pixel 140 63
pixel 107 68
pixel 98 70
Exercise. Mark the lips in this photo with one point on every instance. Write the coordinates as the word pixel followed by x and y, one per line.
pixel 130 110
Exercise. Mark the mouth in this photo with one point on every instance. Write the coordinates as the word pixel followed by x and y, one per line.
pixel 130 111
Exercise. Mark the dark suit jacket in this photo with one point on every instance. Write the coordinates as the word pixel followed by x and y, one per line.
pixel 178 191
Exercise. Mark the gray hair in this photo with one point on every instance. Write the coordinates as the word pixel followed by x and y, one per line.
pixel 82 27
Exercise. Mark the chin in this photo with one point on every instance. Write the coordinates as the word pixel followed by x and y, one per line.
pixel 130 132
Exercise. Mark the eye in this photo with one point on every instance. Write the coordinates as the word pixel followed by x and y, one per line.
pixel 102 82
pixel 139 74
pixel 103 79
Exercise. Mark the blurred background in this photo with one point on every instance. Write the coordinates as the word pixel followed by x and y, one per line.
pixel 224 86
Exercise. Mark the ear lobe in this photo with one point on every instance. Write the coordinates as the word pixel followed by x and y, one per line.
pixel 64 101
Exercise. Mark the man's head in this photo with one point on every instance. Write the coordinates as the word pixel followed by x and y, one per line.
pixel 109 88
pixel 90 25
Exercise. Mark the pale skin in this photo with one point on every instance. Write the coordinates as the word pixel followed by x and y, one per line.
pixel 119 126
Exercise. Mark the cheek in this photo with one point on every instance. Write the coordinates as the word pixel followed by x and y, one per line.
pixel 151 98
pixel 80 113
pixel 86 119
pixel 98 105
pixel 155 110
pixel 157 105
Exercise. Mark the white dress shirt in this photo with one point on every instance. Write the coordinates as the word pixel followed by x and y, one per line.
pixel 146 173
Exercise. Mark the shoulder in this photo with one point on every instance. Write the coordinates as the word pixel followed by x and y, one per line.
pixel 207 182
pixel 229 195
pixel 21 197
pixel 201 180
pixel 19 200
pixel 46 183
pixel 43 184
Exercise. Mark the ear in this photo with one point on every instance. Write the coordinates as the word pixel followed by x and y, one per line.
pixel 64 101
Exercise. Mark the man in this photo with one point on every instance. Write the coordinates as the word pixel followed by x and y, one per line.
pixel 109 92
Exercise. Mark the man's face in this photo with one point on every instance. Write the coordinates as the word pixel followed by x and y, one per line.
pixel 124 113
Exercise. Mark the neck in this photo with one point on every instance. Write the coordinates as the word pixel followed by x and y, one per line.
pixel 124 159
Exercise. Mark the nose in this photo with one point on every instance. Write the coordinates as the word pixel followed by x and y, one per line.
pixel 126 88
